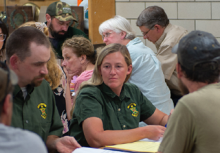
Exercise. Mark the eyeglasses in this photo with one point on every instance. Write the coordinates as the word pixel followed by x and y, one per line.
pixel 145 33
pixel 2 37
pixel 5 67
pixel 106 35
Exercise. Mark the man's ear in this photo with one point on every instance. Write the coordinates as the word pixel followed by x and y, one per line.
pixel 14 61
pixel 179 71
pixel 158 28
pixel 48 18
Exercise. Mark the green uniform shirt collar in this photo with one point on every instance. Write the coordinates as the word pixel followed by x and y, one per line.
pixel 110 93
pixel 17 89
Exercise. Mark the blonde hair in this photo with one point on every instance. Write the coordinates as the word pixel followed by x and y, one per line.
pixel 54 71
pixel 81 46
pixel 96 76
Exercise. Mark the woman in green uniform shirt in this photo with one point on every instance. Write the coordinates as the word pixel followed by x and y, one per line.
pixel 107 109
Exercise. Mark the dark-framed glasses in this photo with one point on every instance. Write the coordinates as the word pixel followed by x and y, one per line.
pixel 5 68
pixel 145 33
pixel 2 37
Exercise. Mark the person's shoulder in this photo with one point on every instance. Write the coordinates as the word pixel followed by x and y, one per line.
pixel 75 31
pixel 44 87
pixel 137 47
pixel 175 32
pixel 130 87
pixel 29 140
pixel 90 89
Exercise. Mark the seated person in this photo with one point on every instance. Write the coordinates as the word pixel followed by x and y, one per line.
pixel 108 110
pixel 147 74
pixel 79 59
pixel 194 127
pixel 14 139
pixel 3 38
pixel 54 78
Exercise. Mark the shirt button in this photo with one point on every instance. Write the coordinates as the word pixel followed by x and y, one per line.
pixel 124 126
pixel 26 121
pixel 119 109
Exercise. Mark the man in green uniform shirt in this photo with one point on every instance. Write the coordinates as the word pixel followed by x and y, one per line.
pixel 59 17
pixel 194 127
pixel 34 109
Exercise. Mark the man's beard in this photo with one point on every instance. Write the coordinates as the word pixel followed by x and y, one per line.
pixel 56 34
pixel 184 90
pixel 35 82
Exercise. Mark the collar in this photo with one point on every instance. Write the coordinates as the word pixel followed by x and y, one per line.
pixel 111 94
pixel 134 41
pixel 162 37
pixel 17 89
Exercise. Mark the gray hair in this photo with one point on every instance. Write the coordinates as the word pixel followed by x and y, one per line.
pixel 151 16
pixel 117 24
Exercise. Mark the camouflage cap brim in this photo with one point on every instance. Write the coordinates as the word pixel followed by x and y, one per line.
pixel 65 18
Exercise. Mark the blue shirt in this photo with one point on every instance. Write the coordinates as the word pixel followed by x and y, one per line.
pixel 147 75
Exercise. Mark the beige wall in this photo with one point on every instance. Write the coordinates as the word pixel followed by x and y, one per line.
pixel 190 14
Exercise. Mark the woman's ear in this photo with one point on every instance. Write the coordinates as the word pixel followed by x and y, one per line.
pixel 129 69
pixel 82 59
pixel 123 34
pixel 99 69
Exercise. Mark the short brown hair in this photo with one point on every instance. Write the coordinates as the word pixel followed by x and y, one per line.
pixel 20 40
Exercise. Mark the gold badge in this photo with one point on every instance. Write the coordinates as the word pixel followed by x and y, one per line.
pixel 42 108
pixel 132 107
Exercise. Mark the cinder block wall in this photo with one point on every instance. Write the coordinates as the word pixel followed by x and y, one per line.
pixel 190 14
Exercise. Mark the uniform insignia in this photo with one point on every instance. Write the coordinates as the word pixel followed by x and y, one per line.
pixel 42 108
pixel 132 107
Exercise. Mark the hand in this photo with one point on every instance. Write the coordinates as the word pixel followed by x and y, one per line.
pixel 66 144
pixel 68 76
pixel 154 132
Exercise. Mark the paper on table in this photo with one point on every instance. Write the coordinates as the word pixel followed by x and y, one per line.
pixel 93 150
pixel 149 140
pixel 138 146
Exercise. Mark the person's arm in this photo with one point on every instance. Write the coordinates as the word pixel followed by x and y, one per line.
pixel 68 94
pixel 157 118
pixel 63 145
pixel 96 136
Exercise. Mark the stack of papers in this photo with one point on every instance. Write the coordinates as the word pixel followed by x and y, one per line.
pixel 144 145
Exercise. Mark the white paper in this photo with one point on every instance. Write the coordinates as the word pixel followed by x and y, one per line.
pixel 94 150
pixel 149 140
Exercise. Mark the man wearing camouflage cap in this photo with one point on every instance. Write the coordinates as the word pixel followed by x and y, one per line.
pixel 14 139
pixel 59 17
pixel 194 127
